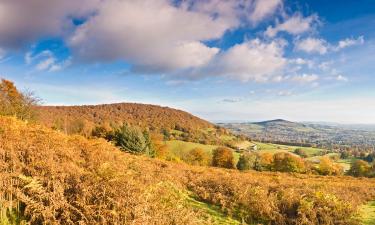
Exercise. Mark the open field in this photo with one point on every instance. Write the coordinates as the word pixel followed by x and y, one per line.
pixel 273 148
pixel 180 148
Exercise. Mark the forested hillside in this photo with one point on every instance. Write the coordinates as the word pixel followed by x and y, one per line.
pixel 172 123
pixel 150 116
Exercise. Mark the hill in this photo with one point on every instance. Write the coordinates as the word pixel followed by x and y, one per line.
pixel 143 115
pixel 53 178
pixel 173 123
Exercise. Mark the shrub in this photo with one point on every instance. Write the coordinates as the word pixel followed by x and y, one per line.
pixel 359 168
pixel 161 150
pixel 223 157
pixel 197 156
pixel 328 167
pixel 286 162
pixel 301 153
pixel 264 162
pixel 247 161
pixel 131 139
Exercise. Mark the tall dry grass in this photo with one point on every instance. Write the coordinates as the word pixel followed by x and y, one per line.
pixel 50 178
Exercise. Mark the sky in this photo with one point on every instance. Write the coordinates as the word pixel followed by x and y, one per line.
pixel 222 60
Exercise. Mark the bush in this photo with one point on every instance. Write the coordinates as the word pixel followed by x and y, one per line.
pixel 286 162
pixel 247 161
pixel 327 167
pixel 264 162
pixel 223 157
pixel 301 153
pixel 197 156
pixel 359 168
pixel 131 139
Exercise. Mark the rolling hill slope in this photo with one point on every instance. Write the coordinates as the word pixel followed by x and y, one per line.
pixel 54 178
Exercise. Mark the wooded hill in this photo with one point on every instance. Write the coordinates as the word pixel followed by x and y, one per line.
pixel 143 115
pixel 171 122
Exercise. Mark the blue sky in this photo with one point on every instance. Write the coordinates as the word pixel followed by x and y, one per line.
pixel 244 60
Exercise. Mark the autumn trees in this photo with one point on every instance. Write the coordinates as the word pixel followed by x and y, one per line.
pixel 223 157
pixel 15 103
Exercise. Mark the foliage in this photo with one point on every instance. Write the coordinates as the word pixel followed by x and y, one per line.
pixel 301 153
pixel 286 162
pixel 53 178
pixel 198 157
pixel 360 168
pixel 223 157
pixel 328 167
pixel 247 161
pixel 15 103
pixel 132 140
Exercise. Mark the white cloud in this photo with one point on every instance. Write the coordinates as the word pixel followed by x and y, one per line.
pixel 46 61
pixel 231 100
pixel 252 60
pixel 299 61
pixel 151 35
pixel 312 45
pixel 22 22
pixel 349 42
pixel 264 8
pixel 296 24
pixel 342 78
pixel 305 78
pixel 285 93
pixel 2 53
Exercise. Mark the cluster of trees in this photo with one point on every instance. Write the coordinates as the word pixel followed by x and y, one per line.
pixel 15 103
pixel 287 162
pixel 361 168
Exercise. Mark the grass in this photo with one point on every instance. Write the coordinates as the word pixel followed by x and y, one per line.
pixel 178 148
pixel 367 214
pixel 213 212
pixel 346 163
pixel 274 148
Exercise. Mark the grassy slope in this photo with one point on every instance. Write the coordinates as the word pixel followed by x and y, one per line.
pixel 367 214
pixel 93 181
pixel 273 148
pixel 179 148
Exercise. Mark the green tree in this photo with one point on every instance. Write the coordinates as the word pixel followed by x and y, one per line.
pixel 359 168
pixel 130 139
pixel 247 161
pixel 223 157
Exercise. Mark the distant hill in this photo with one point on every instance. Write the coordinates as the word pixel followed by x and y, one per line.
pixel 309 134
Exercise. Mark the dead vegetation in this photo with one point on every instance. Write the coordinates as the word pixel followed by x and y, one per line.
pixel 48 177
